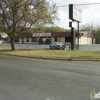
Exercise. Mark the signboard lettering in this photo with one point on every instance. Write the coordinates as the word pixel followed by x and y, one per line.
pixel 41 34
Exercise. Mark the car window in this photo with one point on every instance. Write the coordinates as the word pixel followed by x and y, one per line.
pixel 61 43
pixel 58 43
pixel 54 44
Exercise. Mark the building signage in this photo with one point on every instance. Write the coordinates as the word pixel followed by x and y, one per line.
pixel 72 24
pixel 41 34
pixel 75 13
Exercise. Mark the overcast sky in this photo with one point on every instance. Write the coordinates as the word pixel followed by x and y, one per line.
pixel 90 13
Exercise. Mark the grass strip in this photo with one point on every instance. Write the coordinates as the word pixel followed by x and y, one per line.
pixel 56 54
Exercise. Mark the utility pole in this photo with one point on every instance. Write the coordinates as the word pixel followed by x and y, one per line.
pixel 75 14
pixel 78 37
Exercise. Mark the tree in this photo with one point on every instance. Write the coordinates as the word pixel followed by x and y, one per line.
pixel 88 27
pixel 46 29
pixel 18 16
pixel 94 28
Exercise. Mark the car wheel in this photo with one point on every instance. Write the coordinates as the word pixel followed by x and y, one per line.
pixel 61 48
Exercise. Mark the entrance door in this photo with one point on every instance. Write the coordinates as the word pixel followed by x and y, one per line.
pixel 22 40
pixel 59 39
pixel 55 39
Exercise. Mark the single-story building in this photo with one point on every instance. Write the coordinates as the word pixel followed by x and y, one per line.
pixel 65 37
pixel 88 37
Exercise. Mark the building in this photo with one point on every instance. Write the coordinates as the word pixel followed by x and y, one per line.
pixel 65 37
pixel 88 37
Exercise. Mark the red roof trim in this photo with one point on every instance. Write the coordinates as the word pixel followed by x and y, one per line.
pixel 60 34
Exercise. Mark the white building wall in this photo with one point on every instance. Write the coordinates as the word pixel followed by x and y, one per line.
pixel 93 41
pixel 38 38
pixel 84 40
pixel 89 41
pixel 63 39
pixel 20 40
pixel 30 40
pixel 52 39
pixel 24 39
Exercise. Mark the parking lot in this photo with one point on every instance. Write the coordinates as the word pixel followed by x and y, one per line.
pixel 88 47
pixel 92 47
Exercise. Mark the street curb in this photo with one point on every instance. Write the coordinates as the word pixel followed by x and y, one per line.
pixel 69 59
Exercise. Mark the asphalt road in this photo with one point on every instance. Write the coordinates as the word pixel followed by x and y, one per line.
pixel 37 79
pixel 88 47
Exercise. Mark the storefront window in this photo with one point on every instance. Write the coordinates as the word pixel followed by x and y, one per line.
pixel 16 39
pixel 27 39
pixel 34 39
pixel 67 39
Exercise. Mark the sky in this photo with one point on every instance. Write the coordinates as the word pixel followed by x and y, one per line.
pixel 90 13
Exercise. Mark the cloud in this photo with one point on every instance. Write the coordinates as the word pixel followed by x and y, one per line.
pixel 64 20
pixel 90 13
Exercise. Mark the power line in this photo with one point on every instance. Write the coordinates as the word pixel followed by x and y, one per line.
pixel 79 4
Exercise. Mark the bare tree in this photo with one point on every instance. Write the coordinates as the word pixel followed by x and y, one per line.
pixel 88 27
pixel 17 16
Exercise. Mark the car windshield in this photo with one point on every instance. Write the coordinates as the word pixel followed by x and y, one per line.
pixel 58 43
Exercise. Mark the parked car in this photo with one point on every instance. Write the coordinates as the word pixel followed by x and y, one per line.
pixel 48 41
pixel 57 45
pixel 40 41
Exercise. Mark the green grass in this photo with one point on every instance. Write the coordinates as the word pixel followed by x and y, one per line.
pixel 59 54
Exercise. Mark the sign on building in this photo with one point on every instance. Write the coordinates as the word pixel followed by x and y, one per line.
pixel 41 34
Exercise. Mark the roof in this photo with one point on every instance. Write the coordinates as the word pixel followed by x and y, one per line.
pixel 25 35
pixel 59 34
pixel 89 35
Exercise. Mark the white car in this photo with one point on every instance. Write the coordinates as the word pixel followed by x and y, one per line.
pixel 57 45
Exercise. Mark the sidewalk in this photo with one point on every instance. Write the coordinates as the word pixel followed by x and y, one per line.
pixel 4 42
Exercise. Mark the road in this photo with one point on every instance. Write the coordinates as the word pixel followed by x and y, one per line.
pixel 37 79
pixel 88 47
